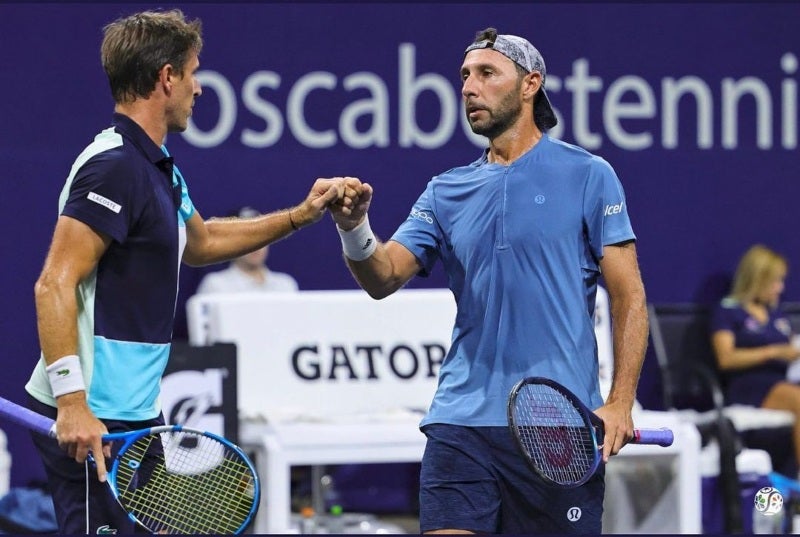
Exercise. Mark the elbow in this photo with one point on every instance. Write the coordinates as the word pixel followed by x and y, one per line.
pixel 192 262
pixel 382 290
pixel 46 289
pixel 40 288
pixel 194 259
pixel 378 294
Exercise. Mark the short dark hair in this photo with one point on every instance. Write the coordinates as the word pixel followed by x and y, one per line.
pixel 136 47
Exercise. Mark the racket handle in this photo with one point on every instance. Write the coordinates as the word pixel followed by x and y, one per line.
pixel 27 418
pixel 662 437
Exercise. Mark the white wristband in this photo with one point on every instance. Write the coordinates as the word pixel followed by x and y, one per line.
pixel 65 375
pixel 359 243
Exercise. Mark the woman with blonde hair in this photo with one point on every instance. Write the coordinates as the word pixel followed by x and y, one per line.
pixel 751 337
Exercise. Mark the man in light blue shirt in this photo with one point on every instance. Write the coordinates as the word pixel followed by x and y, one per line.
pixel 524 234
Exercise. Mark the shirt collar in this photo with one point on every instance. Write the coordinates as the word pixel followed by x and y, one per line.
pixel 134 132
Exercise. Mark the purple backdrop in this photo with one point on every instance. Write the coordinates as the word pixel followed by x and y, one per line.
pixel 694 105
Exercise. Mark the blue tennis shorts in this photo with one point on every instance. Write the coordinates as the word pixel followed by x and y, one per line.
pixel 474 478
pixel 82 503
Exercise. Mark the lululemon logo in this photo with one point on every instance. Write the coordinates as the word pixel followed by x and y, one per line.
pixel 539 199
pixel 574 514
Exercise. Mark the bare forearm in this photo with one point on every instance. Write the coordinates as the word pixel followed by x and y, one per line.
pixel 227 238
pixel 57 320
pixel 376 274
pixel 630 325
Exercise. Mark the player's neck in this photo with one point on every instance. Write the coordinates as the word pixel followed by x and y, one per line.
pixel 140 111
pixel 512 144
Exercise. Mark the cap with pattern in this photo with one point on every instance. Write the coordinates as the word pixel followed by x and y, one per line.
pixel 521 52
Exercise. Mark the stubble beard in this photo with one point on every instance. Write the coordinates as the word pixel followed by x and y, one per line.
pixel 500 119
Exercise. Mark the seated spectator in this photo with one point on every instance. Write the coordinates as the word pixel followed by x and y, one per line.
pixel 752 338
pixel 248 272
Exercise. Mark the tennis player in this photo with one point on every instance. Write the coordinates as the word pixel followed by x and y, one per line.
pixel 106 296
pixel 524 234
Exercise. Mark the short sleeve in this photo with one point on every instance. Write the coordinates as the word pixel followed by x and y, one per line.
pixel 420 233
pixel 605 208
pixel 723 318
pixel 101 195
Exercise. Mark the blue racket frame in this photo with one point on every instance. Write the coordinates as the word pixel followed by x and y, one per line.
pixel 44 425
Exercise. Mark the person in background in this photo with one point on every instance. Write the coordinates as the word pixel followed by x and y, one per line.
pixel 105 298
pixel 524 234
pixel 248 272
pixel 752 338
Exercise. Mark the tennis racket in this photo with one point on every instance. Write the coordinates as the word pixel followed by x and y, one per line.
pixel 558 435
pixel 171 479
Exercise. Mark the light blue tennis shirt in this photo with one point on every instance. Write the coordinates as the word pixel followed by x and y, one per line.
pixel 520 245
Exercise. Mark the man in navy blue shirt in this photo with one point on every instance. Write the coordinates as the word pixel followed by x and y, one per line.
pixel 524 234
pixel 106 296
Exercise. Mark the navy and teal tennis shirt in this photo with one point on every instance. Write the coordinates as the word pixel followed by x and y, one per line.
pixel 125 186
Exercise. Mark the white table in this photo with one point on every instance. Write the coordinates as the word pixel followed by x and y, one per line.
pixel 280 446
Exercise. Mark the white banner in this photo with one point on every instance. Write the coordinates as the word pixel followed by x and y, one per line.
pixel 322 354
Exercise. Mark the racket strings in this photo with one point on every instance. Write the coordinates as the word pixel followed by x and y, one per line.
pixel 185 483
pixel 554 434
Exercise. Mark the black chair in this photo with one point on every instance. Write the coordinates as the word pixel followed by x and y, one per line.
pixel 691 384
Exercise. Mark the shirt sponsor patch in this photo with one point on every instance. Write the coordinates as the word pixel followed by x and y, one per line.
pixel 105 202
pixel 613 209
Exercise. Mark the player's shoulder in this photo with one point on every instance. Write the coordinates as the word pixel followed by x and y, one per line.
pixel 573 152
pixel 108 149
pixel 461 170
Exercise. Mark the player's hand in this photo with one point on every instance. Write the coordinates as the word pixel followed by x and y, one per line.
pixel 80 432
pixel 354 205
pixel 351 197
pixel 618 425
pixel 323 193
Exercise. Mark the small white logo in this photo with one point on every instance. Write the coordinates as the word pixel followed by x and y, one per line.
pixel 574 514
pixel 769 501
pixel 539 199
pixel 613 209
pixel 105 202
pixel 422 215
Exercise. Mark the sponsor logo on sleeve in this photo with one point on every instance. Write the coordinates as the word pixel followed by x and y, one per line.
pixel 613 209
pixel 105 202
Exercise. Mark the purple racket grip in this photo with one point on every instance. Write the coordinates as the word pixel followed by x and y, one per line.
pixel 27 418
pixel 662 437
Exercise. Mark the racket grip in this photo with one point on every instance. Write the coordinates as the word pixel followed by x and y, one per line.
pixel 662 437
pixel 27 418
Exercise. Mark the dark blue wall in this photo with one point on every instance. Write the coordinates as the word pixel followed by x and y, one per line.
pixel 699 193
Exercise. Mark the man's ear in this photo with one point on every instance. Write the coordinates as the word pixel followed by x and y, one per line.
pixel 531 85
pixel 532 82
pixel 166 76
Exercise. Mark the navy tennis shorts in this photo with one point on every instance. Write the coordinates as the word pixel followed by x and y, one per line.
pixel 474 478
pixel 82 503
